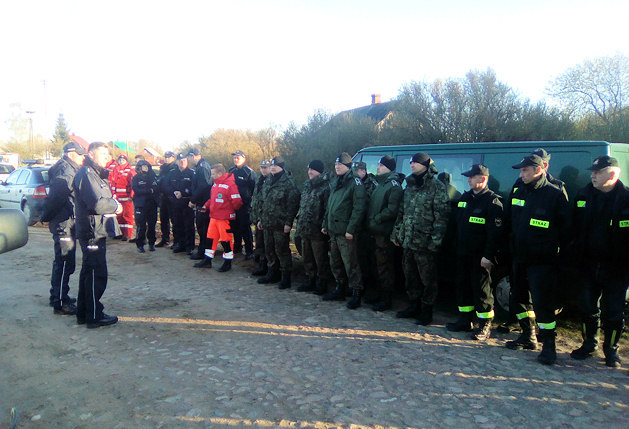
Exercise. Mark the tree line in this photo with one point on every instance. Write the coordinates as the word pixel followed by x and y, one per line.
pixel 589 102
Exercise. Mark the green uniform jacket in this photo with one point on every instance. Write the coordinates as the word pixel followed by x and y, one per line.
pixel 347 205
pixel 423 218
pixel 256 199
pixel 280 202
pixel 384 204
pixel 314 201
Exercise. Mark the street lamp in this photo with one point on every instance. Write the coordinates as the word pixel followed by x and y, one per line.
pixel 30 119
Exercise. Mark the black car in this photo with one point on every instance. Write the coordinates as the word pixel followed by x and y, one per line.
pixel 26 189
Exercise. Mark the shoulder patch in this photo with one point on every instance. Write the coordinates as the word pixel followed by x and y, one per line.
pixel 395 183
pixel 358 181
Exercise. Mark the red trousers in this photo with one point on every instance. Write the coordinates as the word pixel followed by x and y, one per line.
pixel 125 219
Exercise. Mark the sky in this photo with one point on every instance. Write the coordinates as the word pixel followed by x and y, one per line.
pixel 171 71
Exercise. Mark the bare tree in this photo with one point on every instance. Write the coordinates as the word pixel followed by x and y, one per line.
pixel 599 86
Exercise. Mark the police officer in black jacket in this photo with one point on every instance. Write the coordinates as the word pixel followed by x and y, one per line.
pixel 246 182
pixel 201 189
pixel 179 190
pixel 538 218
pixel 59 211
pixel 145 200
pixel 94 209
pixel 601 225
pixel 479 232
pixel 164 212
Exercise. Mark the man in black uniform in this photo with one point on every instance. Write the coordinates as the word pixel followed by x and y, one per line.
pixel 145 199
pixel 246 182
pixel 538 220
pixel 601 220
pixel 59 211
pixel 479 228
pixel 201 189
pixel 179 189
pixel 164 213
pixel 94 205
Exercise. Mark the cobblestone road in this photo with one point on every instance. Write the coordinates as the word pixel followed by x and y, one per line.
pixel 197 348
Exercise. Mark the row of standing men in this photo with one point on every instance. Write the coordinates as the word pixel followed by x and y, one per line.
pixel 535 233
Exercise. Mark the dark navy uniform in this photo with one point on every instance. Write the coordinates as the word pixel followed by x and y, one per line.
pixel 59 211
pixel 201 190
pixel 164 211
pixel 95 210
pixel 145 200
pixel 241 227
pixel 479 228
pixel 538 216
pixel 182 215
pixel 601 225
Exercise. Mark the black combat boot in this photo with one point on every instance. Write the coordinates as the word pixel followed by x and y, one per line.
pixel 425 317
pixel 272 276
pixel 484 331
pixel 322 286
pixel 205 263
pixel 354 303
pixel 589 332
pixel 151 247
pixel 309 285
pixel 338 294
pixel 385 303
pixel 162 243
pixel 413 310
pixel 285 282
pixel 548 355
pixel 263 268
pixel 463 323
pixel 527 339
pixel 613 331
pixel 227 265
pixel 141 249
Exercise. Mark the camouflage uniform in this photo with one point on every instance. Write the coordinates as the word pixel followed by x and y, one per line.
pixel 420 227
pixel 366 245
pixel 314 200
pixel 280 202
pixel 345 213
pixel 256 203
pixel 384 206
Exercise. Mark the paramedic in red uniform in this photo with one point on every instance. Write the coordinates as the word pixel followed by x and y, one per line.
pixel 120 182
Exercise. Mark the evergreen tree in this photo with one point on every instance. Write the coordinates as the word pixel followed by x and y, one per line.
pixel 60 138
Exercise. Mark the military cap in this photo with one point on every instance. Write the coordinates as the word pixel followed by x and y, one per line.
pixel 542 154
pixel 422 158
pixel 74 147
pixel 603 162
pixel 194 151
pixel 181 156
pixel 278 160
pixel 360 165
pixel 529 161
pixel 265 163
pixel 239 153
pixel 169 154
pixel 476 170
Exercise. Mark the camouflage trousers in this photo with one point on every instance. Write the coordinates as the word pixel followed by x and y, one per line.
pixel 259 241
pixel 385 263
pixel 315 257
pixel 277 250
pixel 420 270
pixel 344 262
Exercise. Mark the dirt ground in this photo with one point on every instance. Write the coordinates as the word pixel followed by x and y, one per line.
pixel 61 375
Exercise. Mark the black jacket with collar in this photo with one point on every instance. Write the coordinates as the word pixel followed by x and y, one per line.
pixel 59 205
pixel 94 204
pixel 201 183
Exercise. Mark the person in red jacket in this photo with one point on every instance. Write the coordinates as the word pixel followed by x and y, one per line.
pixel 120 181
pixel 223 203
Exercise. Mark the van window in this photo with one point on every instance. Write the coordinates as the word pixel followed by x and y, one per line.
pixel 502 175
pixel 372 162
pixel 455 164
